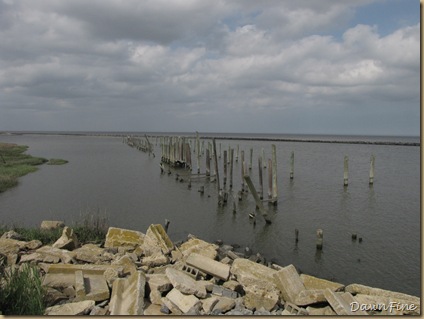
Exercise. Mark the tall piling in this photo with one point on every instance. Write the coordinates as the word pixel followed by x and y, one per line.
pixel 251 158
pixel 220 196
pixel 231 167
pixel 257 199
pixel 274 175
pixel 319 239
pixel 261 185
pixel 346 171
pixel 225 168
pixel 292 165
pixel 242 170
pixel 198 152
pixel 371 182
pixel 263 157
pixel 237 154
pixel 269 178
pixel 208 163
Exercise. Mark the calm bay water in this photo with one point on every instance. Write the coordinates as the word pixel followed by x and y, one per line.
pixel 125 185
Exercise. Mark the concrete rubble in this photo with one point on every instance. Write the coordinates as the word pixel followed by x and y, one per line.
pixel 147 274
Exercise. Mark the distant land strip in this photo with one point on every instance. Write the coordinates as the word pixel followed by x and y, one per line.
pixel 267 139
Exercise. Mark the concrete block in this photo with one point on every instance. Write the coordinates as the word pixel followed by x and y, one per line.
pixel 245 270
pixel 171 306
pixel 311 282
pixel 157 240
pixel 68 240
pixel 71 309
pixel 90 287
pixel 191 271
pixel 224 292
pixel 155 260
pixel 185 283
pixel 128 295
pixel 153 310
pixel 259 295
pixel 340 303
pixel 223 305
pixel 117 237
pixel 320 311
pixel 158 282
pixel 198 246
pixel 291 309
pixel 183 302
pixel 361 289
pixel 309 297
pixel 289 283
pixel 52 224
pixel 91 253
pixel 209 266
pixel 209 303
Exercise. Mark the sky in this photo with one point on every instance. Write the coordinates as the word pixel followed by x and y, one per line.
pixel 234 66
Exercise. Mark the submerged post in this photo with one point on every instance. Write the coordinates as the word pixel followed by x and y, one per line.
pixel 208 163
pixel 231 167
pixel 261 185
pixel 346 171
pixel 198 152
pixel 242 170
pixel 291 165
pixel 269 178
pixel 257 199
pixel 372 170
pixel 319 239
pixel 274 175
pixel 220 198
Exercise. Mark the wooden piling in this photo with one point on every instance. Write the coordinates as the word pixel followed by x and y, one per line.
pixel 263 157
pixel 242 170
pixel 269 178
pixel 225 168
pixel 261 185
pixel 319 239
pixel 292 165
pixel 346 171
pixel 208 163
pixel 220 197
pixel 296 233
pixel 231 167
pixel 274 175
pixel 257 199
pixel 371 182
pixel 198 152
pixel 251 158
pixel 237 154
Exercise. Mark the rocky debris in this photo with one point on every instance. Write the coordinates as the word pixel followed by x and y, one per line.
pixel 51 224
pixel 147 274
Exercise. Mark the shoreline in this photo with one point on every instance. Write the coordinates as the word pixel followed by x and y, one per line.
pixel 211 136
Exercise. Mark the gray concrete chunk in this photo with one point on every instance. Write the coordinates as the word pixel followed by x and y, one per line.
pixel 209 266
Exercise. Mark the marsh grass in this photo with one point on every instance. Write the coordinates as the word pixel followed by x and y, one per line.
pixel 21 292
pixel 14 164
pixel 56 161
pixel 91 227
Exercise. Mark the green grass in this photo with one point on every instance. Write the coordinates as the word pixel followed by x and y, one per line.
pixel 56 161
pixel 14 163
pixel 21 292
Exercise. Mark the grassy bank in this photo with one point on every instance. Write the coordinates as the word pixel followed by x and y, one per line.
pixel 14 163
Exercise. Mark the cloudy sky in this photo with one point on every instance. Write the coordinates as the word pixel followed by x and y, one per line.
pixel 269 66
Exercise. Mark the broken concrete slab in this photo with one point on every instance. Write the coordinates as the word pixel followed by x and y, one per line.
pixel 224 292
pixel 10 246
pixel 195 245
pixel 157 240
pixel 11 234
pixel 53 296
pixel 259 294
pixel 168 304
pixel 341 303
pixel 185 283
pixel 154 260
pixel 320 311
pixel 153 310
pixel 223 305
pixel 91 253
pixel 126 263
pixel 118 237
pixel 361 289
pixel 209 303
pixel 209 266
pixel 48 254
pixel 245 269
pixel 311 282
pixel 309 297
pixel 68 240
pixel 289 283
pixel 90 287
pixel 128 295
pixel 184 302
pixel 71 309
pixel 387 305
pixel 52 224
pixel 291 309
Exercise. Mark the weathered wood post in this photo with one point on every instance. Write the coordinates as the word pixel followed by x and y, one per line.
pixel 251 158
pixel 319 239
pixel 269 178
pixel 263 157
pixel 274 175
pixel 292 165
pixel 242 170
pixel 237 154
pixel 346 171
pixel 296 233
pixel 166 225
pixel 220 197
pixel 219 150
pixel 231 167
pixel 372 170
pixel 229 151
pixel 257 199
pixel 225 168
pixel 208 163
pixel 261 185
pixel 198 152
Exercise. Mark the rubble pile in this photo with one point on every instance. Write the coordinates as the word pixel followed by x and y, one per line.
pixel 147 274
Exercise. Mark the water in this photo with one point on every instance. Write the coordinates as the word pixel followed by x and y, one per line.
pixel 105 175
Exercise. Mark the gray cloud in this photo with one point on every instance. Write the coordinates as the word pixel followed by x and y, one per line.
pixel 188 65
